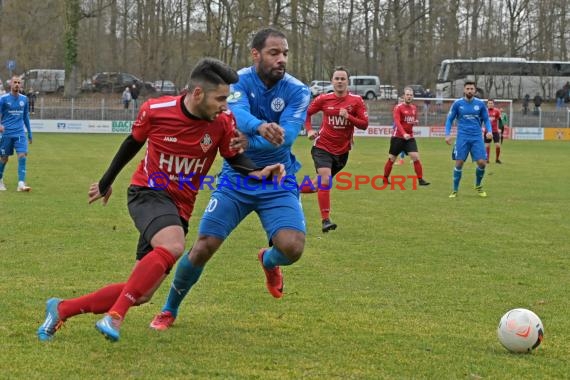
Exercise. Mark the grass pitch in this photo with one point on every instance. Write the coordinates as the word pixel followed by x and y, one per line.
pixel 411 284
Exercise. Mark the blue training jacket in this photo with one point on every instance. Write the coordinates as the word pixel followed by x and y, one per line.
pixel 253 104
pixel 470 115
pixel 15 115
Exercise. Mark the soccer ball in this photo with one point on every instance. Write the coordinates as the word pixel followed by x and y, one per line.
pixel 520 330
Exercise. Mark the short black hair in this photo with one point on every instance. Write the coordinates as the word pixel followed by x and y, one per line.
pixel 470 82
pixel 262 35
pixel 210 73
pixel 341 68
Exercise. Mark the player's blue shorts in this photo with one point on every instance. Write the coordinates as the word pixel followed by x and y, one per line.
pixel 279 209
pixel 9 143
pixel 464 146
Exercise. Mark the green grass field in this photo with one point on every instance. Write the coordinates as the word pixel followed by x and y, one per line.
pixel 410 285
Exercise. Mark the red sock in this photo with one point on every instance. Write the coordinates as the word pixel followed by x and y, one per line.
pixel 324 197
pixel 418 169
pixel 144 277
pixel 388 168
pixel 498 151
pixel 488 149
pixel 306 188
pixel 97 302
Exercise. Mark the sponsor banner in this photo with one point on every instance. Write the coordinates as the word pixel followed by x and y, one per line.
pixel 557 133
pixel 528 133
pixel 439 131
pixel 71 126
pixel 387 131
pixel 121 126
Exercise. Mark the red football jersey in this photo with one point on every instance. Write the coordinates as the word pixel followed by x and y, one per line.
pixel 336 133
pixel 405 117
pixel 494 116
pixel 180 149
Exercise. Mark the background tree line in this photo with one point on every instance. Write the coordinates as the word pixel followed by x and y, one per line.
pixel 402 41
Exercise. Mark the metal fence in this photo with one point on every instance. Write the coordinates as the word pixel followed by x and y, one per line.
pixel 379 111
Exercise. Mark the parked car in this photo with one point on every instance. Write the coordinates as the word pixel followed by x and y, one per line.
pixel 419 91
pixel 317 87
pixel 388 92
pixel 116 82
pixel 367 86
pixel 165 87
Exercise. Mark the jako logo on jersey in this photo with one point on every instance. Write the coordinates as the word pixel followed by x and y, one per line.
pixel 277 104
pixel 206 142
pixel 234 97
pixel 170 139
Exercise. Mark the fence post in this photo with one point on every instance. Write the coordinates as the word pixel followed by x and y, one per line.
pixel 42 107
pixel 102 108
pixel 72 108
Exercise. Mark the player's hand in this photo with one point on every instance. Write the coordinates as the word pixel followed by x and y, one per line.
pixel 239 142
pixel 407 136
pixel 273 172
pixel 448 140
pixel 272 132
pixel 312 134
pixel 1 128
pixel 343 112
pixel 489 136
pixel 94 194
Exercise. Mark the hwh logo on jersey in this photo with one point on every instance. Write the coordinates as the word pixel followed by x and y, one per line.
pixel 170 139
pixel 337 121
pixel 410 119
pixel 184 165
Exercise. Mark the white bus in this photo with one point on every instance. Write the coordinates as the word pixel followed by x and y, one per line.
pixel 505 78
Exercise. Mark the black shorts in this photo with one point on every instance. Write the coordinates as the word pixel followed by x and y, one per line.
pixel 151 211
pixel 496 138
pixel 324 159
pixel 398 144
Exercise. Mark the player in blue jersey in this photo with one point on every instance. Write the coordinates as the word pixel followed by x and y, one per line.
pixel 15 116
pixel 470 112
pixel 270 107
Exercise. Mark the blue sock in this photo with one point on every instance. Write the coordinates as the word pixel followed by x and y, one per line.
pixel 479 173
pixel 456 178
pixel 402 155
pixel 2 166
pixel 22 168
pixel 186 276
pixel 273 257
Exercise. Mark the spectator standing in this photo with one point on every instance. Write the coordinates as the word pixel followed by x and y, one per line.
pixel 537 103
pixel 126 98
pixel 32 100
pixel 526 101
pixel 135 95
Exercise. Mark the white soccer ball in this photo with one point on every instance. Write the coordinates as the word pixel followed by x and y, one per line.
pixel 520 330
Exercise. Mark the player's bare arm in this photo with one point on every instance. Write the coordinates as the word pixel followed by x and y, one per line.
pixel 448 140
pixel 1 128
pixel 272 132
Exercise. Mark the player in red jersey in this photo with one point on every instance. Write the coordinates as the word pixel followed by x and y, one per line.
pixel 405 117
pixel 495 118
pixel 183 134
pixel 342 112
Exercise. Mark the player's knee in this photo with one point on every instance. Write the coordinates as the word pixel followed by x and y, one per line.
pixel 293 249
pixel 202 251
pixel 175 248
